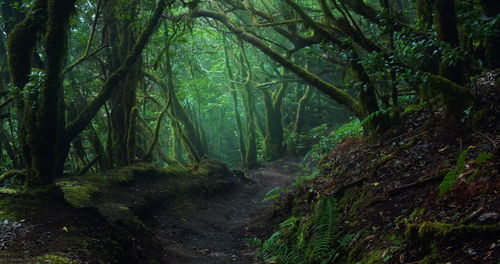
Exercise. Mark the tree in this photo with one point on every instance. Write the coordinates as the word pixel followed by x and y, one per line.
pixel 44 133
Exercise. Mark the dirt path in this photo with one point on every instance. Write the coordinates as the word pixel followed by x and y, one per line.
pixel 211 231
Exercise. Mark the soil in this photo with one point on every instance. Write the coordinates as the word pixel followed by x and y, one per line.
pixel 212 230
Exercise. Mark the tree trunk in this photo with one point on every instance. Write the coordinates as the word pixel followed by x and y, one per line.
pixel 249 100
pixel 424 13
pixel 123 97
pixel 492 9
pixel 274 146
pixel 251 151
pixel 301 107
pixel 45 138
pixel 446 25
pixel 234 96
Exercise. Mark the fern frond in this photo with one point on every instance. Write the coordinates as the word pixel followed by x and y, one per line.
pixel 306 240
pixel 290 222
pixel 254 242
pixel 274 193
pixel 326 231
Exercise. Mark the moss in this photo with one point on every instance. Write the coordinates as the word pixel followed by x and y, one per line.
pixel 381 161
pixel 9 191
pixel 53 259
pixel 426 232
pixel 80 190
pixel 433 257
pixel 78 195
pixel 373 257
pixel 355 253
pixel 355 198
pixel 16 206
pixel 12 174
pixel 414 216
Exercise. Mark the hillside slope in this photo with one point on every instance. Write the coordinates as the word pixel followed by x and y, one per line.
pixel 426 191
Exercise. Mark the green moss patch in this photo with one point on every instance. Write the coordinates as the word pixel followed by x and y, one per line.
pixel 52 259
pixel 427 232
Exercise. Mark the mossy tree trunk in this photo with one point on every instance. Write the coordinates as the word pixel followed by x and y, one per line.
pixel 454 95
pixel 132 134
pixel 491 9
pixel 376 122
pixel 21 45
pixel 234 96
pixel 249 102
pixel 184 127
pixel 45 136
pixel 98 148
pixel 274 145
pixel 177 144
pixel 301 108
pixel 251 142
pixel 445 20
pixel 424 12
pixel 118 21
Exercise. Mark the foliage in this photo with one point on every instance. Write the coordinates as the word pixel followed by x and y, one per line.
pixel 328 141
pixel 306 240
pixel 452 176
pixel 326 221
pixel 301 178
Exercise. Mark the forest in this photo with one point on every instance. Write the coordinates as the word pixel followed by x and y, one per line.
pixel 249 131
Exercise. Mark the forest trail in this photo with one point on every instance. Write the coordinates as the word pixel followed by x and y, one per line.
pixel 211 231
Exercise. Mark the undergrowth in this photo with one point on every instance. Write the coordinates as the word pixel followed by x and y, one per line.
pixel 305 240
pixel 330 141
pixel 325 142
pixel 453 175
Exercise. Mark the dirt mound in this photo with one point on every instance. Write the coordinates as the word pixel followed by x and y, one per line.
pixel 101 220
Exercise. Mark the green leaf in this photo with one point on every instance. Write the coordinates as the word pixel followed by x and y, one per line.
pixel 461 159
pixel 483 157
pixel 448 182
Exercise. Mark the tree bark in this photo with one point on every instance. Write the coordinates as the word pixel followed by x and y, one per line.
pixel 301 107
pixel 234 96
pixel 446 25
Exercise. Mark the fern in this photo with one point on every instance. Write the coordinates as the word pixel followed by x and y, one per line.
pixel 274 193
pixel 326 219
pixel 306 240
pixel 451 178
pixel 254 242
pixel 274 249
pixel 345 240
pixel 290 222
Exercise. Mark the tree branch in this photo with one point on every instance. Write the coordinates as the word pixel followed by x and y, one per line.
pixel 327 88
pixel 79 124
